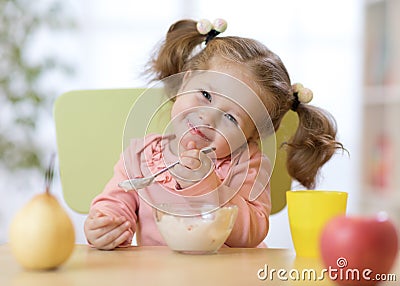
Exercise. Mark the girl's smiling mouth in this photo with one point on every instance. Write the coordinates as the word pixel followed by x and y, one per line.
pixel 195 131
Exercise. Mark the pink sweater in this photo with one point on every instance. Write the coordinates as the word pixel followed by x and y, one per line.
pixel 232 177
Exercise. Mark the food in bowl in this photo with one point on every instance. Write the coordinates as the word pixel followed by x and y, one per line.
pixel 195 228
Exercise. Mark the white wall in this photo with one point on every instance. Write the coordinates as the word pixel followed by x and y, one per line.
pixel 319 41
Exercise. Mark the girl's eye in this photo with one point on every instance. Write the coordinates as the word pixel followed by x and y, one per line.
pixel 231 118
pixel 206 95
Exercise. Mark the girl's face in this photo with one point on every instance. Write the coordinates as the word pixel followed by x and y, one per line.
pixel 217 108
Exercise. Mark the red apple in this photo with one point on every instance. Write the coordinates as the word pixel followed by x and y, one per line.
pixel 358 250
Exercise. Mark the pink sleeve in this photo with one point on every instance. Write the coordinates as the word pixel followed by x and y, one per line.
pixel 252 223
pixel 114 201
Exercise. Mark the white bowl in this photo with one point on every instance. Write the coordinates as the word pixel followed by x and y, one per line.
pixel 195 228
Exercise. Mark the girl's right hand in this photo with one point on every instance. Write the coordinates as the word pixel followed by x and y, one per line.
pixel 106 232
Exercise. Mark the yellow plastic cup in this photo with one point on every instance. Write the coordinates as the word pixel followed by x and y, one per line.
pixel 308 212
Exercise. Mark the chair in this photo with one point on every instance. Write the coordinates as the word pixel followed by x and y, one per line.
pixel 89 127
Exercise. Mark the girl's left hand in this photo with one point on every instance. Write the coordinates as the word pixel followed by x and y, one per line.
pixel 194 166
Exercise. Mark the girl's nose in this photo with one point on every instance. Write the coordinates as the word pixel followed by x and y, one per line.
pixel 207 117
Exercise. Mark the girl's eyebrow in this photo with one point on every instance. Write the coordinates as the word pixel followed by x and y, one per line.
pixel 207 86
pixel 212 88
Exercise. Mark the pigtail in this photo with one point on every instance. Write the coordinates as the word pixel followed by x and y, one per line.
pixel 313 144
pixel 175 51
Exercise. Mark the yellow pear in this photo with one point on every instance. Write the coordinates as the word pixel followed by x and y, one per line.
pixel 42 235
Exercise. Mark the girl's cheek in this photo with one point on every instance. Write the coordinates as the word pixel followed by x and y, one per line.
pixel 222 147
pixel 179 108
pixel 232 142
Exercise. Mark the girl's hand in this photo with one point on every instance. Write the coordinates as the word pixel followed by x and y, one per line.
pixel 106 232
pixel 194 166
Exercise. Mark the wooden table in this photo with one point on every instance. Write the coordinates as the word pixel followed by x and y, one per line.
pixel 161 266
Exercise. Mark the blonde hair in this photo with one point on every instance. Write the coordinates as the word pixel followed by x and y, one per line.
pixel 314 142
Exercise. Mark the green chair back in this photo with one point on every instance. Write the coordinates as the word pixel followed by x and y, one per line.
pixel 89 131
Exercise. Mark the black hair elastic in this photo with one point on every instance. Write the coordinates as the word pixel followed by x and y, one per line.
pixel 296 101
pixel 211 35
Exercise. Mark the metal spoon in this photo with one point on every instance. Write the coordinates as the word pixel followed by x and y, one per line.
pixel 140 183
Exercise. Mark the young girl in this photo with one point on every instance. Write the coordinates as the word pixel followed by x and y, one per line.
pixel 228 85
